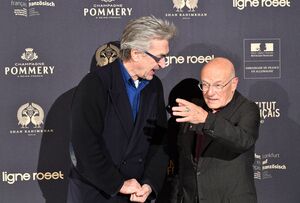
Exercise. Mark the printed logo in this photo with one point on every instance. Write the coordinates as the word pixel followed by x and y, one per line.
pixel 30 118
pixel 107 10
pixel 268 110
pixel 106 54
pixel 190 4
pixel 185 9
pixel 265 165
pixel 262 58
pixel 29 55
pixel 262 47
pixel 30 113
pixel 30 67
pixel 12 178
pixel 29 8
pixel 242 4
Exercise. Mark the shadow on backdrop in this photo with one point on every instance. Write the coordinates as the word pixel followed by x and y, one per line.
pixel 278 144
pixel 186 89
pixel 54 149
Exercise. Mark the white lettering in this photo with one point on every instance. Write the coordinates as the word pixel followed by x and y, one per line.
pixel 42 3
pixel 242 4
pixel 199 59
pixel 174 59
pixel 257 156
pixel 265 161
pixel 114 11
pixel 274 166
pixel 85 11
pixel 189 59
pixel 268 109
pixel 11 178
pixel 29 70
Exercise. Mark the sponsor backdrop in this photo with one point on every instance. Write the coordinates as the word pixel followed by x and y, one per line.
pixel 47 47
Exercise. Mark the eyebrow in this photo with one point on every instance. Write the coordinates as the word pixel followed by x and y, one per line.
pixel 162 54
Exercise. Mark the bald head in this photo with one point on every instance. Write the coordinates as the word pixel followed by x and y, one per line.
pixel 219 66
pixel 218 82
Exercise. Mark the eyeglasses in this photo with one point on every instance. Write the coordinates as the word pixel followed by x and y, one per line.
pixel 204 87
pixel 155 58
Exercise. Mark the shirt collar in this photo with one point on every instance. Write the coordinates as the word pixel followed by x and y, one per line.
pixel 127 78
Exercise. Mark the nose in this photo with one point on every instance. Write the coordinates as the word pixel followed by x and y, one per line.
pixel 210 91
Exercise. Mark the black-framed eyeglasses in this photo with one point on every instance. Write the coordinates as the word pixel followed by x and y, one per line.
pixel 204 87
pixel 155 58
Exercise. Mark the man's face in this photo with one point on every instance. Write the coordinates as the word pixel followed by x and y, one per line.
pixel 149 64
pixel 221 85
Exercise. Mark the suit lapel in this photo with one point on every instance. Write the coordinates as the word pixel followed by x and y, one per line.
pixel 206 142
pixel 146 102
pixel 119 100
pixel 226 113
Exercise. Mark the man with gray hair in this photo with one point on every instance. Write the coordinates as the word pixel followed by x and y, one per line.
pixel 119 121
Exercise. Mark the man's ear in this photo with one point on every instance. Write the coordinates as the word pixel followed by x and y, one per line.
pixel 135 55
pixel 235 82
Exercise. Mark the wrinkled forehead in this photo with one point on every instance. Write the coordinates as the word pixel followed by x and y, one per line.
pixel 217 70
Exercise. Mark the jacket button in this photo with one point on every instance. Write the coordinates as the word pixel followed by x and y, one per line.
pixel 198 173
pixel 124 162
pixel 140 160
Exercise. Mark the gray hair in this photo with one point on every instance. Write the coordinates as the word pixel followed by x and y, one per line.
pixel 138 34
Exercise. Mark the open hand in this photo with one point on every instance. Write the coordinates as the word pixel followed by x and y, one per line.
pixel 189 112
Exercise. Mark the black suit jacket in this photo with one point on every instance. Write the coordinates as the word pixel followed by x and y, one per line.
pixel 108 145
pixel 224 171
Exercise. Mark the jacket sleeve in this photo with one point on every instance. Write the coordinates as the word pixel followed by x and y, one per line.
pixel 157 158
pixel 237 134
pixel 94 163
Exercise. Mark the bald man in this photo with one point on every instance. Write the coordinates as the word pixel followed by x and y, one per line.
pixel 217 140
